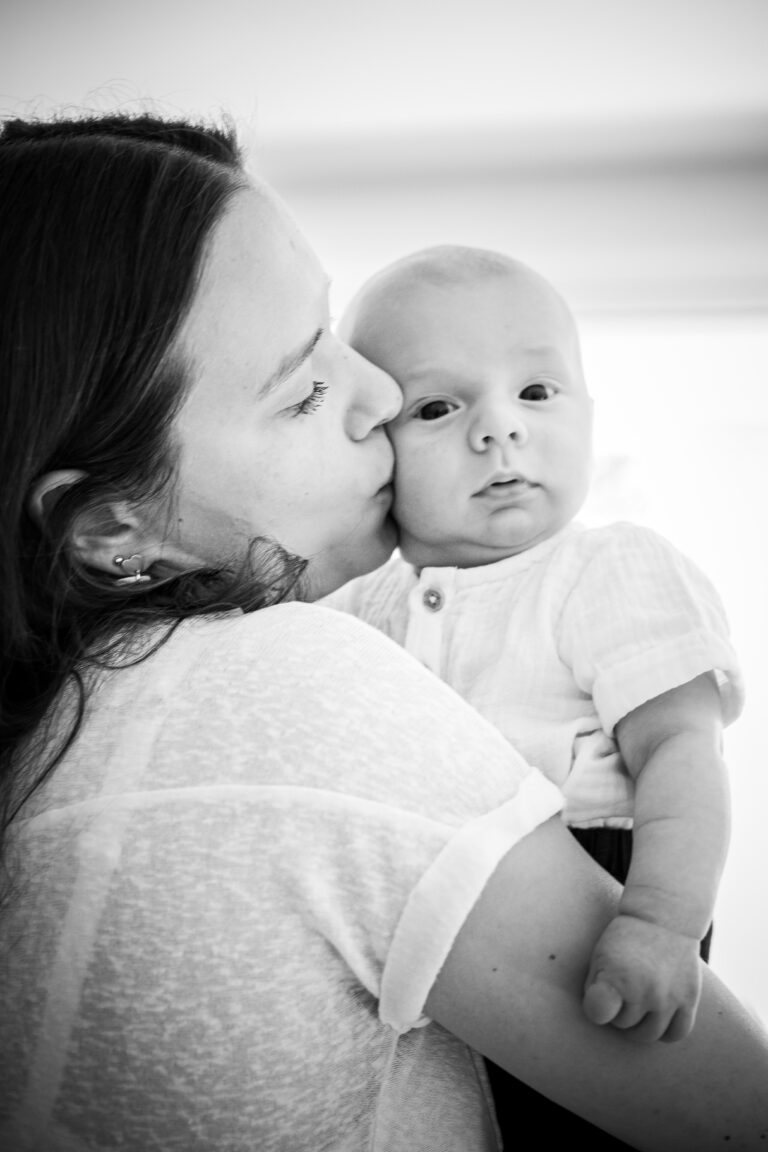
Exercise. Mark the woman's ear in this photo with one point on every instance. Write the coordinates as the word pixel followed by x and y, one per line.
pixel 107 535
pixel 105 532
pixel 100 533
pixel 47 490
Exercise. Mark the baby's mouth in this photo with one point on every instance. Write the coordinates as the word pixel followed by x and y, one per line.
pixel 504 485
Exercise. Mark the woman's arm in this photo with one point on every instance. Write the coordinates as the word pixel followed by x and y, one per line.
pixel 644 974
pixel 511 987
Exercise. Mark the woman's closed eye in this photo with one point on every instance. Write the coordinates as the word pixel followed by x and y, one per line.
pixel 311 402
pixel 434 409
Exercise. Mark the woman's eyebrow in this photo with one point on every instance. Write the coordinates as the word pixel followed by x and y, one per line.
pixel 289 364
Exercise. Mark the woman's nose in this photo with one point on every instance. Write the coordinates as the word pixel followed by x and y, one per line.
pixel 500 425
pixel 376 398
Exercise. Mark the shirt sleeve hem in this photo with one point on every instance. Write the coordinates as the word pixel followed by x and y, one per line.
pixel 651 673
pixel 446 894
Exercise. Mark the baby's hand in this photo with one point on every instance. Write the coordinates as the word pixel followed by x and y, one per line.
pixel 644 979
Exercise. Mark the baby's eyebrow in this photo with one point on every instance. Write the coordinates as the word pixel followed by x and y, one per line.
pixel 429 375
pixel 542 349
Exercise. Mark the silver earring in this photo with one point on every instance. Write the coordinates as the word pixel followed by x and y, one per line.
pixel 132 566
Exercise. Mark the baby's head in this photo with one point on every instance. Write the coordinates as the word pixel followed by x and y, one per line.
pixel 493 445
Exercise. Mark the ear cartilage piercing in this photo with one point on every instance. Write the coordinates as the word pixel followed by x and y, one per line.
pixel 132 566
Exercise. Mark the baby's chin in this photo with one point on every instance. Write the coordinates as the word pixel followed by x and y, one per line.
pixel 454 554
pixel 468 553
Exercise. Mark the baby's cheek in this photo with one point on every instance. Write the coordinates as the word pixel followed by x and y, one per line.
pixel 406 460
pixel 420 471
pixel 415 500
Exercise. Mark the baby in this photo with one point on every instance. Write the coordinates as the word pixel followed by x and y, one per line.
pixel 602 654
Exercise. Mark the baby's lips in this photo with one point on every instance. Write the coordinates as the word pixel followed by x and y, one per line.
pixel 501 478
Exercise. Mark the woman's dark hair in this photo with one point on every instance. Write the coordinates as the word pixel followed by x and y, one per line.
pixel 103 227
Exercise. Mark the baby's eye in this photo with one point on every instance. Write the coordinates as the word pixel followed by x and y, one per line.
pixel 435 410
pixel 538 391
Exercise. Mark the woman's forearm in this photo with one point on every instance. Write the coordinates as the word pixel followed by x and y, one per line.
pixel 512 985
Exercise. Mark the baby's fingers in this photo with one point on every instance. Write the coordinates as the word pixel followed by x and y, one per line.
pixel 647 1029
pixel 680 1025
pixel 601 1002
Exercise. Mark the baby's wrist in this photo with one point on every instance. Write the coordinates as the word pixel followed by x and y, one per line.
pixel 662 910
pixel 660 931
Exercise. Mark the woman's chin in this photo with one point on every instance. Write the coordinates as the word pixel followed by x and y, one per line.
pixel 385 546
pixel 320 579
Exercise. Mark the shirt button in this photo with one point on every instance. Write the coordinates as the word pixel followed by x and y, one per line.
pixel 432 599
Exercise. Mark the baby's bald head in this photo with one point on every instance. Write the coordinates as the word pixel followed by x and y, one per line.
pixel 388 303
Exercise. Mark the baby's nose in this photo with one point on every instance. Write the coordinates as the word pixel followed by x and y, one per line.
pixel 498 425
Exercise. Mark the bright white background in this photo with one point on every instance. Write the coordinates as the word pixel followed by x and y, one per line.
pixel 620 146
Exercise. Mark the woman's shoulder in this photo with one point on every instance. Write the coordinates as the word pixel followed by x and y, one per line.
pixel 278 657
pixel 332 673
pixel 243 667
pixel 273 635
pixel 303 696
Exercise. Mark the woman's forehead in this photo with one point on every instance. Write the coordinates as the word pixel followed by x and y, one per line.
pixel 258 274
pixel 256 239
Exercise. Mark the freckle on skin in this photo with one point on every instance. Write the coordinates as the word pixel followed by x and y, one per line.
pixel 494 969
pixel 552 956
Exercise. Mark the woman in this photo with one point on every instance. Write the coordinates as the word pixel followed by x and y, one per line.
pixel 258 893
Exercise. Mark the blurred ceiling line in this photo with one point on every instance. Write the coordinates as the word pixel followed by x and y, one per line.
pixel 669 143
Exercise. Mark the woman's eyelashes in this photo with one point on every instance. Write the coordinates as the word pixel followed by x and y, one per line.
pixel 311 402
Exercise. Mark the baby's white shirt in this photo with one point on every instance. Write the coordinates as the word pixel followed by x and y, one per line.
pixel 556 644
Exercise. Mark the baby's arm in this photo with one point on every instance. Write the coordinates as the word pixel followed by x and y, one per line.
pixel 644 973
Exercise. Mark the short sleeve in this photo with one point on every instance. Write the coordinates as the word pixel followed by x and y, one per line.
pixel 405 808
pixel 444 895
pixel 398 798
pixel 642 619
